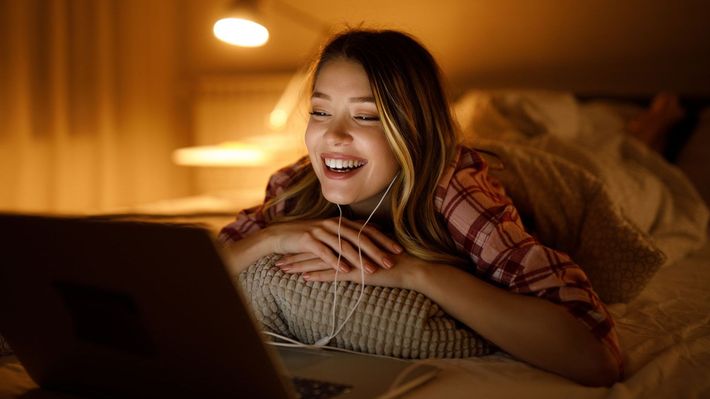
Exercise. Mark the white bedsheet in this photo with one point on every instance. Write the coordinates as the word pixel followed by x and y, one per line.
pixel 665 333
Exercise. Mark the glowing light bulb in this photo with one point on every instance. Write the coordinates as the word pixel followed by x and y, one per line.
pixel 241 32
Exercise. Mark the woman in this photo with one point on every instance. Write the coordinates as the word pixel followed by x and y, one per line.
pixel 382 143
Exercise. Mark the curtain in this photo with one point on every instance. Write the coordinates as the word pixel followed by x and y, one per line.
pixel 90 104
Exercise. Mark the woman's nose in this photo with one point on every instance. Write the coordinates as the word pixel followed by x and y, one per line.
pixel 337 132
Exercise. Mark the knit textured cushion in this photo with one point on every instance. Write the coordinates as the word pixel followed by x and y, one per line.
pixel 572 210
pixel 388 321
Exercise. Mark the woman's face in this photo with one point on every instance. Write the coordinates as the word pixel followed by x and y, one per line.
pixel 345 138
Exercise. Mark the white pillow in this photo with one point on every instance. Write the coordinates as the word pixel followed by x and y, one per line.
pixel 531 112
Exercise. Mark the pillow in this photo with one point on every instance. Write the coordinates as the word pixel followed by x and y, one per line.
pixel 531 112
pixel 645 194
pixel 570 209
pixel 388 321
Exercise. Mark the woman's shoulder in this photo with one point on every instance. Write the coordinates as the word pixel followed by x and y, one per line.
pixel 468 157
pixel 293 169
pixel 466 160
pixel 287 175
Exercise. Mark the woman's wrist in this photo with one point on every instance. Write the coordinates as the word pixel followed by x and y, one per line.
pixel 428 277
pixel 415 277
pixel 249 249
pixel 265 239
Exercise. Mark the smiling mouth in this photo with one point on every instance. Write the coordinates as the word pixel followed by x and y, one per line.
pixel 343 165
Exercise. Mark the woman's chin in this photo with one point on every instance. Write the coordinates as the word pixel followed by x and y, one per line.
pixel 338 198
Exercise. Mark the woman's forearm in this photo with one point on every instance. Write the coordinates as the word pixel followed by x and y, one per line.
pixel 529 328
pixel 242 253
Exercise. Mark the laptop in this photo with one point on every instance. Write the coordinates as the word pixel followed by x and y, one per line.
pixel 105 308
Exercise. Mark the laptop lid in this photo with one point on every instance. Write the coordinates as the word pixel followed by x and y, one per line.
pixel 116 309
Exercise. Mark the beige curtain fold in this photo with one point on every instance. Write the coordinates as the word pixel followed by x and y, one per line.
pixel 90 105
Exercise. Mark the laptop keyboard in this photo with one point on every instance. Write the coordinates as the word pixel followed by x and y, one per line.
pixel 314 389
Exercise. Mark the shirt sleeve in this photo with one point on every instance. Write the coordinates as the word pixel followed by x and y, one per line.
pixel 484 224
pixel 256 218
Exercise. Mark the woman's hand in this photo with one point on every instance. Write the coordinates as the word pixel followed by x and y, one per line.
pixel 402 276
pixel 313 245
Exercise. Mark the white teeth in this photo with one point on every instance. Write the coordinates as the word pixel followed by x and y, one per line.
pixel 343 164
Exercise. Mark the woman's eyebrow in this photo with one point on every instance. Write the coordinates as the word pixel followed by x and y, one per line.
pixel 363 99
pixel 317 94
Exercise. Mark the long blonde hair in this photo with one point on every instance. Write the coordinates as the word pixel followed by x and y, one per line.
pixel 406 85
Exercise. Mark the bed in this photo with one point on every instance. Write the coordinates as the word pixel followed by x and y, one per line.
pixel 662 316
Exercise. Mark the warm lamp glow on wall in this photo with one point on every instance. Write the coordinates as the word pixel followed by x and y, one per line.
pixel 227 154
pixel 241 26
pixel 278 118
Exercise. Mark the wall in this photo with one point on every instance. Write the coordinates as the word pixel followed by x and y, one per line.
pixel 91 102
pixel 95 94
pixel 237 107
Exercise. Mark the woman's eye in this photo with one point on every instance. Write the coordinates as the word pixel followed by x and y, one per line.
pixel 318 113
pixel 368 118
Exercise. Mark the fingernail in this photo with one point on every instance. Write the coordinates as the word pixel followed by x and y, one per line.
pixel 370 268
pixel 280 262
pixel 306 276
pixel 397 249
pixel 286 269
pixel 344 269
pixel 388 262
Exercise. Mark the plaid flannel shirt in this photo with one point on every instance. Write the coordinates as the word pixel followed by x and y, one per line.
pixel 485 226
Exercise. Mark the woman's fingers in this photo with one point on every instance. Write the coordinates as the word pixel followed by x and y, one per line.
pixel 323 275
pixel 381 238
pixel 370 248
pixel 305 262
pixel 345 247
pixel 295 258
pixel 329 275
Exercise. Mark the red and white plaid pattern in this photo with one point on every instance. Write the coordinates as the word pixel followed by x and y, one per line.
pixel 485 226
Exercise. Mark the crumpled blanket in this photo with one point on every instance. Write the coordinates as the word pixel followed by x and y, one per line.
pixel 584 186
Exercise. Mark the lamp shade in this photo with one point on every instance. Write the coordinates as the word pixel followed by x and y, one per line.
pixel 242 24
pixel 241 32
